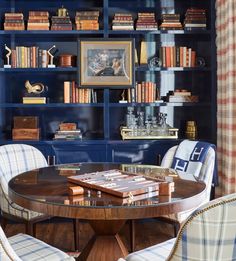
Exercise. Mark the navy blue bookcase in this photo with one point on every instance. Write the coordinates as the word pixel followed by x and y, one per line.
pixel 101 121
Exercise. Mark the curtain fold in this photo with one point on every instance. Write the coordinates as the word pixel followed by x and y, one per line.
pixel 226 94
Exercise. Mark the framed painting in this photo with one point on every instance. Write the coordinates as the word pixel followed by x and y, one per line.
pixel 106 63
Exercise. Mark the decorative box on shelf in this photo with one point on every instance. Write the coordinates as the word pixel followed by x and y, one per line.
pixel 141 134
pixel 25 128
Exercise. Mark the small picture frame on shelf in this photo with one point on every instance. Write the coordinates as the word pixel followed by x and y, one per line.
pixel 107 63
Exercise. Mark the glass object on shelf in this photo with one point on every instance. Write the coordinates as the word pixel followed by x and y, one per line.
pixel 129 116
pixel 200 62
pixel 151 128
pixel 154 63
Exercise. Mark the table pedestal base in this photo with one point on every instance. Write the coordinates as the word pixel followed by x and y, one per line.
pixel 106 245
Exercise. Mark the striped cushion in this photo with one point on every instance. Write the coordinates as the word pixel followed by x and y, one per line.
pixel 16 159
pixel 31 249
pixel 155 253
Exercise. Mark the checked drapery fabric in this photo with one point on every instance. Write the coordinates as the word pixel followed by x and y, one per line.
pixel 226 94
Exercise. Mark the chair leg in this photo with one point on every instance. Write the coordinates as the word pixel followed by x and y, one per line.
pixel 30 228
pixel 3 222
pixel 176 228
pixel 76 233
pixel 132 234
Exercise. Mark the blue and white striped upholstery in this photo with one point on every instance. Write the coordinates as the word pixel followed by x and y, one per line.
pixel 16 159
pixel 209 234
pixel 23 247
pixel 205 175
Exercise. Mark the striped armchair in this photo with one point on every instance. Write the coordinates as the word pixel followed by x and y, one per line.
pixel 205 175
pixel 22 247
pixel 16 159
pixel 208 234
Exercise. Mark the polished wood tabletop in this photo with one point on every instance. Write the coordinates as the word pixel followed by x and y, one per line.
pixel 46 190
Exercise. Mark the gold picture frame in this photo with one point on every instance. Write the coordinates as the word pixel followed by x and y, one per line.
pixel 107 63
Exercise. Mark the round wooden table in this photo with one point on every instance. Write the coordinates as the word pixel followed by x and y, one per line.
pixel 46 190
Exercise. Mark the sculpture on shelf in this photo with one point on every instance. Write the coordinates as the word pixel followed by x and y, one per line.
pixel 8 57
pixel 62 12
pixel 34 89
pixel 49 51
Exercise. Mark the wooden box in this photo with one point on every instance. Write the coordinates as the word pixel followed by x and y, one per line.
pixel 25 134
pixel 25 122
pixel 67 126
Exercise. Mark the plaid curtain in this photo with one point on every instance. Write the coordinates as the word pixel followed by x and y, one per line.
pixel 226 94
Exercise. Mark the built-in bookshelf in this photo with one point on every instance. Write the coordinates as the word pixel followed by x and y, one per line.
pixel 101 116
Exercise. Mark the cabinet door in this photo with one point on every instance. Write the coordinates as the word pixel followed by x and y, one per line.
pixel 144 152
pixel 79 153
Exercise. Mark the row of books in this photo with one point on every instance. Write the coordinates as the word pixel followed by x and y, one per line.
pixel 73 94
pixel 177 56
pixel 195 18
pixel 39 20
pixel 143 92
pixel 29 57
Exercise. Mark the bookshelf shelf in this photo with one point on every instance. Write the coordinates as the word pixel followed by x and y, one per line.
pixel 100 122
pixel 158 104
pixel 54 33
pixel 51 105
pixel 35 70
pixel 140 32
pixel 175 69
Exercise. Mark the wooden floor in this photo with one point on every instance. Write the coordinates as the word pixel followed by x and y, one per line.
pixel 59 233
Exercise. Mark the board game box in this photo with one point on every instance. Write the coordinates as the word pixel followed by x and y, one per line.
pixel 122 184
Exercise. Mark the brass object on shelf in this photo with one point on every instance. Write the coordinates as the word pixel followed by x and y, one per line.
pixel 66 60
pixel 127 134
pixel 191 130
pixel 62 12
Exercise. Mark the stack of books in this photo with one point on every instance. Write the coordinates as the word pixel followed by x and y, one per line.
pixel 38 20
pixel 68 131
pixel 122 21
pixel 60 23
pixel 146 21
pixel 34 100
pixel 68 135
pixel 180 95
pixel 171 22
pixel 87 20
pixel 195 18
pixel 14 21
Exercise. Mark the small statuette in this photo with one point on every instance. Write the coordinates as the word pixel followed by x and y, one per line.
pixel 51 65
pixel 8 57
pixel 62 12
pixel 35 88
pixel 123 97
